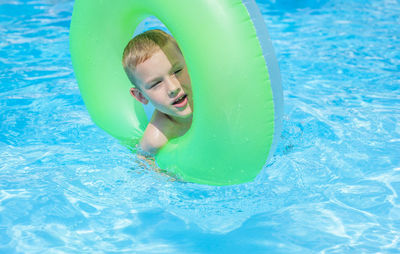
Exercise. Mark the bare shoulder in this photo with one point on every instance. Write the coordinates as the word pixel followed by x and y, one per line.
pixel 154 136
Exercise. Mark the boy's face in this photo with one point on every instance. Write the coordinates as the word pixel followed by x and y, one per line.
pixel 163 80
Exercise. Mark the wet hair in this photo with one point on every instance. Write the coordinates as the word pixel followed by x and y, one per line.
pixel 142 47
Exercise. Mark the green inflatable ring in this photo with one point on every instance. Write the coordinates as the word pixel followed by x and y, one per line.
pixel 235 77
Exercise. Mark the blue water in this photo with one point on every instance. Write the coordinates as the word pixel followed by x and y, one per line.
pixel 333 185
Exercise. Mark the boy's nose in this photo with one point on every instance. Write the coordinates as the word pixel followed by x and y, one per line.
pixel 173 92
pixel 173 87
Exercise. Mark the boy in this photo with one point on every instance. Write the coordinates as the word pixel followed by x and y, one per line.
pixel 156 67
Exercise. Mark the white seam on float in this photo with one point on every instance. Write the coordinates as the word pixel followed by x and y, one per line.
pixel 273 69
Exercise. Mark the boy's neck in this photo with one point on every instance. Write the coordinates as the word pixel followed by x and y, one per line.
pixel 177 126
pixel 181 121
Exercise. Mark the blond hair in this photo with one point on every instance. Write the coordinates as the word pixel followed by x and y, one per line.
pixel 142 47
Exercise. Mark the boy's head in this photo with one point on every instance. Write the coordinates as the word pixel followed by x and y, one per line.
pixel 156 67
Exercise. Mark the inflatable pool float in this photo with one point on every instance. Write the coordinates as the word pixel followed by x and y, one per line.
pixel 237 92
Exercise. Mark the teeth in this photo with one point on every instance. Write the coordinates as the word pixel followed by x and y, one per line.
pixel 179 99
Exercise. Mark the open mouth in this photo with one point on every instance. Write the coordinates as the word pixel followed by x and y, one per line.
pixel 180 101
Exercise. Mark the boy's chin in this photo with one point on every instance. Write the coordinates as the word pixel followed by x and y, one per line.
pixel 178 115
pixel 184 115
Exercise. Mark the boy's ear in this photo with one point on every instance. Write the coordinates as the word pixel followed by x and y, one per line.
pixel 138 95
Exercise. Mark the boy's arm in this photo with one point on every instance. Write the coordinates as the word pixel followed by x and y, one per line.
pixel 153 139
pixel 154 136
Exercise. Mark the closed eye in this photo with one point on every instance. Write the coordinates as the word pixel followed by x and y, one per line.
pixel 155 84
pixel 178 70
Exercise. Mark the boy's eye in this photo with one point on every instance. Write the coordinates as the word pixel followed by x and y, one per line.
pixel 155 84
pixel 178 70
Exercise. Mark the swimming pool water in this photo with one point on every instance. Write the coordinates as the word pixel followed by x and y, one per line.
pixel 332 187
